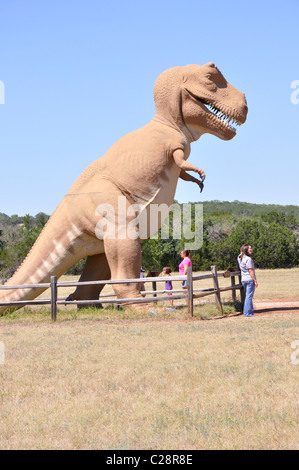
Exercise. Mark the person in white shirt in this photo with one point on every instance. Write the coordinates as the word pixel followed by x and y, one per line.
pixel 248 278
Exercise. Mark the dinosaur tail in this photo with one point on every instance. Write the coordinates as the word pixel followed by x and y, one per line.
pixel 55 250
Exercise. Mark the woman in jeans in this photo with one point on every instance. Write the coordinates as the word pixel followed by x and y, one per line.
pixel 248 278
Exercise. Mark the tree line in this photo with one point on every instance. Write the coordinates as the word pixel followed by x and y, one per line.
pixel 274 236
pixel 273 231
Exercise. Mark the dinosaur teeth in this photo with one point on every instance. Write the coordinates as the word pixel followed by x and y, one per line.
pixel 228 120
pixel 225 118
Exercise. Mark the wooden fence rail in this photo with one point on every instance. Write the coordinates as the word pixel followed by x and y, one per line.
pixel 188 294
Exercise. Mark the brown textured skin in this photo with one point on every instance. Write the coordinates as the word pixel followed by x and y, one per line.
pixel 144 166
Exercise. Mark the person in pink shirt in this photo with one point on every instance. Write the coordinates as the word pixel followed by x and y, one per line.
pixel 185 254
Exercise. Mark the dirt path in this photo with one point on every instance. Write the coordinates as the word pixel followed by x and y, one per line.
pixel 268 307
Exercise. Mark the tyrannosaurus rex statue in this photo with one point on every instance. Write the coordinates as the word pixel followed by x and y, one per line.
pixel 143 168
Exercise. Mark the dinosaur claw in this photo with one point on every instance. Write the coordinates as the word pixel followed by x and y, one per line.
pixel 201 185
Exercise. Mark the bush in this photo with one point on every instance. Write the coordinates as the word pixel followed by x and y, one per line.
pixel 275 245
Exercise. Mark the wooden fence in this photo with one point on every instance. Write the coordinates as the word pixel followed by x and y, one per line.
pixel 189 294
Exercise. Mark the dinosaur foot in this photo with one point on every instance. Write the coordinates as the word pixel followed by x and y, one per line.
pixel 91 305
pixel 135 305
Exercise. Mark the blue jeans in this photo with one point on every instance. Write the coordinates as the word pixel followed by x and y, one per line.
pixel 249 288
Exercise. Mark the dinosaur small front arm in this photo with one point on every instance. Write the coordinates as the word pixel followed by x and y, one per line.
pixel 180 161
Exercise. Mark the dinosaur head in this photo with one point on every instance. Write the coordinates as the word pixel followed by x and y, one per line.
pixel 199 100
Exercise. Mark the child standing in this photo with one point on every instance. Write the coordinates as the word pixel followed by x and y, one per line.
pixel 168 284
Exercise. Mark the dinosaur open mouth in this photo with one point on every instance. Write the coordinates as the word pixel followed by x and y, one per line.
pixel 228 120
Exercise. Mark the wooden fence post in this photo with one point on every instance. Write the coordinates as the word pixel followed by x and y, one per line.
pixel 216 287
pixel 53 298
pixel 190 290
pixel 154 287
pixel 233 283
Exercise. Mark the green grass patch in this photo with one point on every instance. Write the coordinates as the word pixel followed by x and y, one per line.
pixel 111 314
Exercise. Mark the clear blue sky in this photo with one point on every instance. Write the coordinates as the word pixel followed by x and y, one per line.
pixel 79 74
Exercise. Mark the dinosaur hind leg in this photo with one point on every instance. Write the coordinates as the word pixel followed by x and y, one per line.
pixel 124 258
pixel 121 241
pixel 96 269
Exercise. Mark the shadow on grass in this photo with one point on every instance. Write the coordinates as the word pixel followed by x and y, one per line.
pixel 276 309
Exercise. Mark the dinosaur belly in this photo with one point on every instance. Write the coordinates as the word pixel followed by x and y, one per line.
pixel 168 183
pixel 156 210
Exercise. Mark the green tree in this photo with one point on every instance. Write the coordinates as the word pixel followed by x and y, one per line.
pixel 41 219
pixel 275 245
pixel 2 252
pixel 157 253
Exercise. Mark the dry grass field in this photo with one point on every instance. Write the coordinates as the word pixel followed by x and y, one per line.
pixel 132 380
